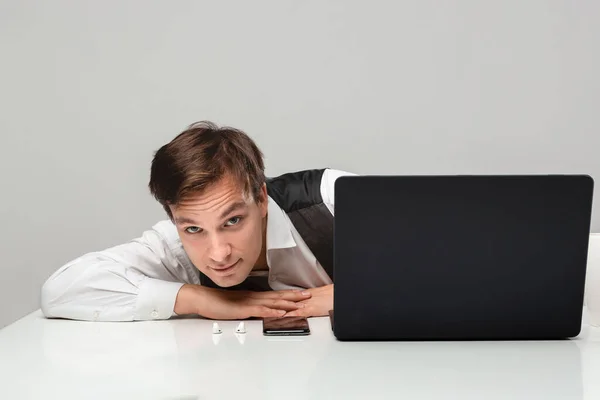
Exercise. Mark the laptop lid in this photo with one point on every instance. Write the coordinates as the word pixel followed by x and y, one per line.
pixel 460 257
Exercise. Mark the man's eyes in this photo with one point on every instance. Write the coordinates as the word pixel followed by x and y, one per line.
pixel 192 229
pixel 233 221
pixel 230 222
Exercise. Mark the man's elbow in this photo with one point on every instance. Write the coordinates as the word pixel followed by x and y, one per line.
pixel 59 295
pixel 79 292
pixel 50 293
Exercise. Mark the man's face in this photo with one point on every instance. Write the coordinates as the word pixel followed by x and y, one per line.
pixel 221 230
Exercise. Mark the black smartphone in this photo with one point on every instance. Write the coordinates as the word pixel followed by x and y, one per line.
pixel 285 326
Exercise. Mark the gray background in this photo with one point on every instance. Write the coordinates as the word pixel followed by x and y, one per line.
pixel 88 90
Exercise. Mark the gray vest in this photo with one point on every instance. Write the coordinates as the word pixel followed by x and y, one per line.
pixel 299 196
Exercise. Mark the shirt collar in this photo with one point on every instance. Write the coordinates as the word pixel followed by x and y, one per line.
pixel 279 234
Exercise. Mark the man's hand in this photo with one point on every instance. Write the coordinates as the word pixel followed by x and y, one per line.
pixel 227 304
pixel 318 305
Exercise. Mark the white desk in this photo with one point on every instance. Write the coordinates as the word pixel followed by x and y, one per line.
pixel 177 359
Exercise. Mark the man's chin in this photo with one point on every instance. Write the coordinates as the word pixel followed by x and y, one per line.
pixel 228 277
pixel 228 281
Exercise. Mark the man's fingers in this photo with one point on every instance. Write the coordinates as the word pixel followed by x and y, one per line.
pixel 266 312
pixel 283 295
pixel 284 305
pixel 290 295
pixel 301 312
pixel 296 313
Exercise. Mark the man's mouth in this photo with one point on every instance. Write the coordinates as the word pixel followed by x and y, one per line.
pixel 225 270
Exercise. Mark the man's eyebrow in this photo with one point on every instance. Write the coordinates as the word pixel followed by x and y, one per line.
pixel 235 206
pixel 184 220
pixel 231 208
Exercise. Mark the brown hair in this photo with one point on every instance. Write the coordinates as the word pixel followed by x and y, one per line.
pixel 200 156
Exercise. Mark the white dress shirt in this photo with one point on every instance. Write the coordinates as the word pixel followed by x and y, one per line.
pixel 139 280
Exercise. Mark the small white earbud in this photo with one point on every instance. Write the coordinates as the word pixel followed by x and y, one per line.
pixel 216 329
pixel 241 328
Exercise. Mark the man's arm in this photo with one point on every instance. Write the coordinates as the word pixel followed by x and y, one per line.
pixel 321 300
pixel 138 280
pixel 145 280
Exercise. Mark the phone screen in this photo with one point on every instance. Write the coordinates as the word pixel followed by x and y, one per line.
pixel 278 326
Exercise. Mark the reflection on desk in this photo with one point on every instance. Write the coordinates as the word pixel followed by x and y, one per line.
pixel 178 359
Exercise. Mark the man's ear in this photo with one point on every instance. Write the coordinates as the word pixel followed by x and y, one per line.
pixel 263 201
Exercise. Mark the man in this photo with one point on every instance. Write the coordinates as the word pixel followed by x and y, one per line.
pixel 236 245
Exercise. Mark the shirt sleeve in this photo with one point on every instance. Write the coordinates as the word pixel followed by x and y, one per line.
pixel 138 280
pixel 328 186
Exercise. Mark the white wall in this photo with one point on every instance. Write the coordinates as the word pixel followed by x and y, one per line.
pixel 89 89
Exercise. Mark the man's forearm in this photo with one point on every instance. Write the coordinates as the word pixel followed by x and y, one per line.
pixel 189 299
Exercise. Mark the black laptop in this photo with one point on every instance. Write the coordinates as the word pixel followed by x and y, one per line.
pixel 460 257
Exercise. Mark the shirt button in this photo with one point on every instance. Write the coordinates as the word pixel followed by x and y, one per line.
pixel 154 314
pixel 96 315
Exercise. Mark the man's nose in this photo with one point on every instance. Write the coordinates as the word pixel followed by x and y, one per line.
pixel 219 249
